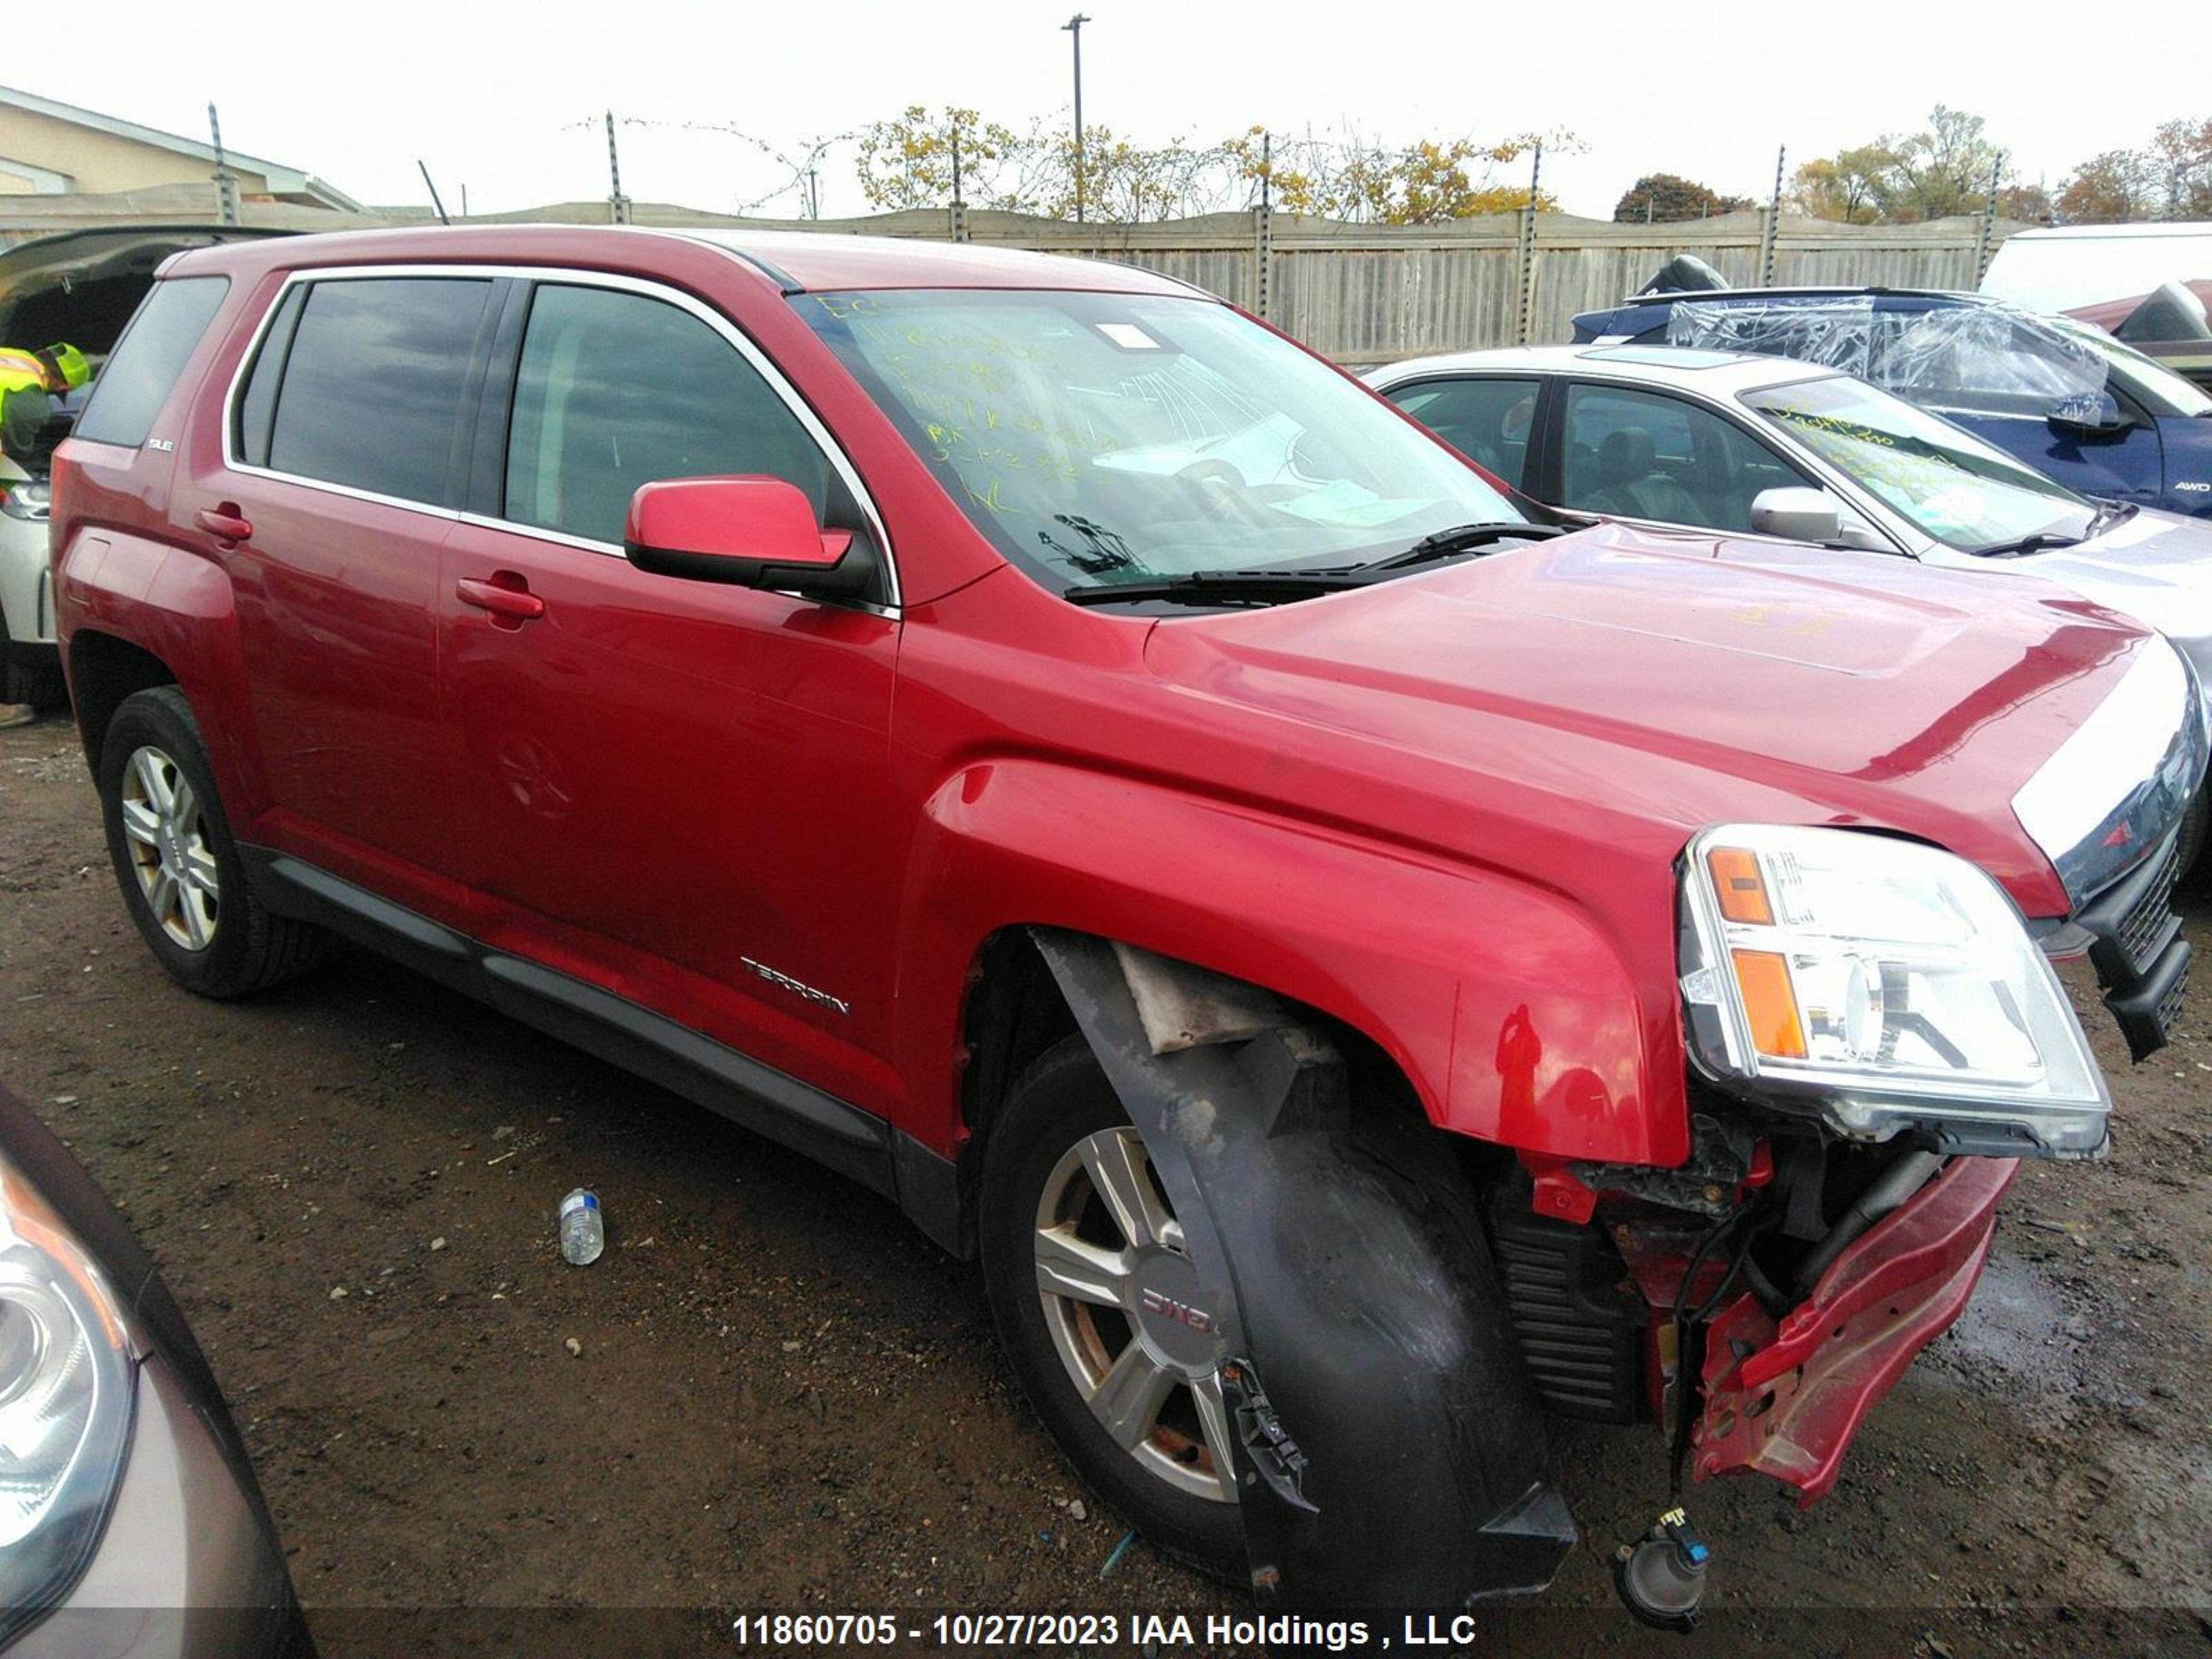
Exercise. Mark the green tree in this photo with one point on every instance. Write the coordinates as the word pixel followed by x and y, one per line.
pixel 1849 187
pixel 907 163
pixel 2169 177
pixel 2179 161
pixel 1667 198
pixel 1943 170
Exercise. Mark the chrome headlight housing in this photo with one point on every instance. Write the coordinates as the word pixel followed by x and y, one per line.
pixel 67 1375
pixel 32 499
pixel 1876 985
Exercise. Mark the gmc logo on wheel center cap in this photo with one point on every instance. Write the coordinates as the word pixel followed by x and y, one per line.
pixel 1196 1318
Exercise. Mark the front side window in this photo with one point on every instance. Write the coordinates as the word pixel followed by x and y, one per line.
pixel 1107 438
pixel 616 389
pixel 1487 421
pixel 1946 481
pixel 138 378
pixel 1642 455
pixel 372 389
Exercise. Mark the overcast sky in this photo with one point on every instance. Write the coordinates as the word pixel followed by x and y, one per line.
pixel 504 96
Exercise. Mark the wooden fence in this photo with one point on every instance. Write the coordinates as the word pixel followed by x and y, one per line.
pixel 1360 293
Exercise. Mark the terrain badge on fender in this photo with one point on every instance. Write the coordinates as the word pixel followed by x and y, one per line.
pixel 797 988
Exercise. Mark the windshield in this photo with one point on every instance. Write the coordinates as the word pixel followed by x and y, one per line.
pixel 1946 481
pixel 1106 439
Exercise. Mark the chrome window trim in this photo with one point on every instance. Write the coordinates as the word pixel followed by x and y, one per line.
pixel 565 276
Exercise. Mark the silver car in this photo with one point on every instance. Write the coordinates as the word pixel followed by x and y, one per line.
pixel 1762 446
pixel 30 663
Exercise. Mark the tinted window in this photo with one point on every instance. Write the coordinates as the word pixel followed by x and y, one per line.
pixel 616 389
pixel 138 379
pixel 1487 421
pixel 257 407
pixel 1639 455
pixel 372 389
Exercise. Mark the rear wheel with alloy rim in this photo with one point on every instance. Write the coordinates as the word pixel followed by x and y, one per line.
pixel 1102 1314
pixel 179 870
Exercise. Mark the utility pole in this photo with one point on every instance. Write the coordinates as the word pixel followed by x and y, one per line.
pixel 1263 232
pixel 1073 26
pixel 1988 227
pixel 617 203
pixel 226 185
pixel 959 206
pixel 1773 222
pixel 429 183
pixel 1525 313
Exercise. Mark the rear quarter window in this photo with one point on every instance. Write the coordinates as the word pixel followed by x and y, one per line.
pixel 146 361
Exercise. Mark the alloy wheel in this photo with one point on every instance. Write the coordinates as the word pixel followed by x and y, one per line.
pixel 1127 1314
pixel 172 851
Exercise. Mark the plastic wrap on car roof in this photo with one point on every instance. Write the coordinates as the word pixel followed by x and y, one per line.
pixel 1980 351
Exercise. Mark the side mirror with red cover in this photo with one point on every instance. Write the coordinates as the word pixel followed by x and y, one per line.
pixel 744 530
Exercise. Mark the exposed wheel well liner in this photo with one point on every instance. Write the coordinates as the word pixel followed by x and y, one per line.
pixel 103 671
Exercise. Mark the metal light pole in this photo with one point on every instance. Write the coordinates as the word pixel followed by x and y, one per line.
pixel 617 203
pixel 1073 26
pixel 226 182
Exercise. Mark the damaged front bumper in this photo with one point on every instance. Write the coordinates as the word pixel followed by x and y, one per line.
pixel 1786 1398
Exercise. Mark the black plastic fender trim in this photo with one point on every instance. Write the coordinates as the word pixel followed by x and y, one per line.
pixel 1390 1455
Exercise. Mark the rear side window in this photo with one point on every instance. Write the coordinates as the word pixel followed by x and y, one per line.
pixel 371 382
pixel 152 352
pixel 615 390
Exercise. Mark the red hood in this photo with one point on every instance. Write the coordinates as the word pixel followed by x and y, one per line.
pixel 1634 687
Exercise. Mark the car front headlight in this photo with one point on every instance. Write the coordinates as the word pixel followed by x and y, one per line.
pixel 1877 985
pixel 66 1379
pixel 32 499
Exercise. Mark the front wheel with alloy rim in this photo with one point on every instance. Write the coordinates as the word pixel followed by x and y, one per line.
pixel 1101 1311
pixel 179 870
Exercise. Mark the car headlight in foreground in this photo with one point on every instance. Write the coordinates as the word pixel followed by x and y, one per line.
pixel 1878 985
pixel 66 1378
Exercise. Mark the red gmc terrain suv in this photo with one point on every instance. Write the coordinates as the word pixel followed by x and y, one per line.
pixel 1358 963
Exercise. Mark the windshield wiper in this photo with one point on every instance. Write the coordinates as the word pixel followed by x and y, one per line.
pixel 1462 538
pixel 1219 586
pixel 2041 541
pixel 1266 586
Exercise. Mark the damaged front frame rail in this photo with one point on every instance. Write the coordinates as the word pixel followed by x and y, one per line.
pixel 1389 1451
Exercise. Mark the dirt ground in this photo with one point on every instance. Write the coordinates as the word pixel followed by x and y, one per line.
pixel 786 1399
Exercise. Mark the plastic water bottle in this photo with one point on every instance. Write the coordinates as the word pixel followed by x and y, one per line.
pixel 583 1235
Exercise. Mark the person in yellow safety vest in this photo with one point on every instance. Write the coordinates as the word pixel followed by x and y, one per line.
pixel 29 381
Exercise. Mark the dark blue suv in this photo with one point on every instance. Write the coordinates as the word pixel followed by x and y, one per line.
pixel 2064 398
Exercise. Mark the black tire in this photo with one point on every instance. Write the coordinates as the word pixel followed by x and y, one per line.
pixel 25 678
pixel 248 948
pixel 1061 1099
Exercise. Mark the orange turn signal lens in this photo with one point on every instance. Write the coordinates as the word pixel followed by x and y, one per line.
pixel 1770 1002
pixel 1738 886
